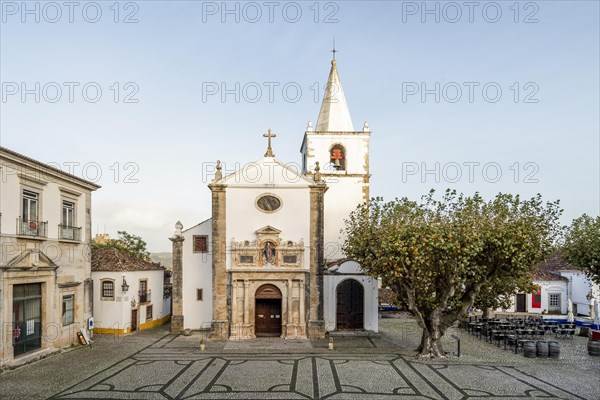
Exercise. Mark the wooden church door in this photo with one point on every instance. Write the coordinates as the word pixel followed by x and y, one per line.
pixel 350 305
pixel 267 317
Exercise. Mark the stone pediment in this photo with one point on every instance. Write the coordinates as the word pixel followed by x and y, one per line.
pixel 31 259
pixel 267 171
pixel 268 230
pixel 345 267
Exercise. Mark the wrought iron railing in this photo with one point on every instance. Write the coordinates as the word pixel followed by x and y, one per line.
pixel 145 296
pixel 69 232
pixel 32 228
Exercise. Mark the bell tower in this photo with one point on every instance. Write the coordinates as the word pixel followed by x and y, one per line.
pixel 343 155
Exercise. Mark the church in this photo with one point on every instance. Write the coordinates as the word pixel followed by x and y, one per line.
pixel 269 261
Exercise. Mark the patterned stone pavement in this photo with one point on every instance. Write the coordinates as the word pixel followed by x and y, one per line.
pixel 159 375
pixel 158 365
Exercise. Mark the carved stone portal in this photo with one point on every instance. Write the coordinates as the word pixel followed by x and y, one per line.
pixel 269 251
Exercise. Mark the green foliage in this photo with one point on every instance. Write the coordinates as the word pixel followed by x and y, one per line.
pixel 582 245
pixel 128 243
pixel 443 253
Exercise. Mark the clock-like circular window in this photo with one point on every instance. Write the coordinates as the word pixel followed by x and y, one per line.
pixel 268 203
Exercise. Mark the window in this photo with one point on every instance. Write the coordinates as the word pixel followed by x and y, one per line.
pixel 268 203
pixel 148 313
pixel 199 294
pixel 337 156
pixel 67 229
pixel 108 289
pixel 29 223
pixel 27 317
pixel 200 244
pixel 144 291
pixel 68 214
pixel 30 206
pixel 554 300
pixel 67 309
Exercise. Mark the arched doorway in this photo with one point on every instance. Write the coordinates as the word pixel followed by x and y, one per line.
pixel 267 317
pixel 350 305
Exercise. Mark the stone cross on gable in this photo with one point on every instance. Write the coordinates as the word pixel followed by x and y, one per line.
pixel 269 152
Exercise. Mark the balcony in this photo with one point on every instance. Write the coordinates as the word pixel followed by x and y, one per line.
pixel 66 232
pixel 32 228
pixel 145 296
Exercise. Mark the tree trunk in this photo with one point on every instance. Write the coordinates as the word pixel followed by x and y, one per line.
pixel 431 344
pixel 486 312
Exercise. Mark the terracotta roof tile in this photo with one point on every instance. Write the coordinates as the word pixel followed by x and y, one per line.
pixel 549 270
pixel 111 259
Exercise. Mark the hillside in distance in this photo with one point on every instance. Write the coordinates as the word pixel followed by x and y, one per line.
pixel 165 258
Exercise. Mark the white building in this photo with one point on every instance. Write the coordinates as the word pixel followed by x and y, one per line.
pixel 258 266
pixel 129 294
pixel 343 282
pixel 559 281
pixel 197 280
pixel 45 274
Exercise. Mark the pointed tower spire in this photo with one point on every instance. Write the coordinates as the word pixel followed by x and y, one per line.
pixel 334 115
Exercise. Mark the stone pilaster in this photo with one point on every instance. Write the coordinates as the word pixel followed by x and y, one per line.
pixel 314 287
pixel 289 300
pixel 302 306
pixel 177 294
pixel 221 307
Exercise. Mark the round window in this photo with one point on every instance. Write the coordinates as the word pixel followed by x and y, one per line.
pixel 268 203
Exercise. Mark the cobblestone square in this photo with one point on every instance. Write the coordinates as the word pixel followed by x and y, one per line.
pixel 157 365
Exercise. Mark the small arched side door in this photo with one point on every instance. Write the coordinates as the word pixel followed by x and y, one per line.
pixel 350 297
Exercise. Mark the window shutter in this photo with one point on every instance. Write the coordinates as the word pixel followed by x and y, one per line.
pixel 200 244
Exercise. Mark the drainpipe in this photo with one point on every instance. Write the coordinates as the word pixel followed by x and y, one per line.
pixel 569 290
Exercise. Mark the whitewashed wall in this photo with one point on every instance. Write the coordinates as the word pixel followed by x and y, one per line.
pixel 341 199
pixel 292 219
pixel 166 305
pixel 351 270
pixel 345 192
pixel 197 274
pixel 546 288
pixel 579 287
pixel 268 176
pixel 116 314
pixel 110 314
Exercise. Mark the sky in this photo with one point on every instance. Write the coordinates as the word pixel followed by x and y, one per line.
pixel 143 97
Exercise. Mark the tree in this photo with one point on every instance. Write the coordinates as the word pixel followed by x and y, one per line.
pixel 128 243
pixel 441 253
pixel 582 245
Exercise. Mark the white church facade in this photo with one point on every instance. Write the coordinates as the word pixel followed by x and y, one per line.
pixel 269 262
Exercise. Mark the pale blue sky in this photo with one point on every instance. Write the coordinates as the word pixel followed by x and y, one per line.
pixel 175 49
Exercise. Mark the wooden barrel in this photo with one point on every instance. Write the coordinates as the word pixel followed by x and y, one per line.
pixel 542 348
pixel 529 349
pixel 593 348
pixel 554 349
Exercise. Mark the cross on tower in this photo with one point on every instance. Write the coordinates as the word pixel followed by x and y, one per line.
pixel 334 50
pixel 269 135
